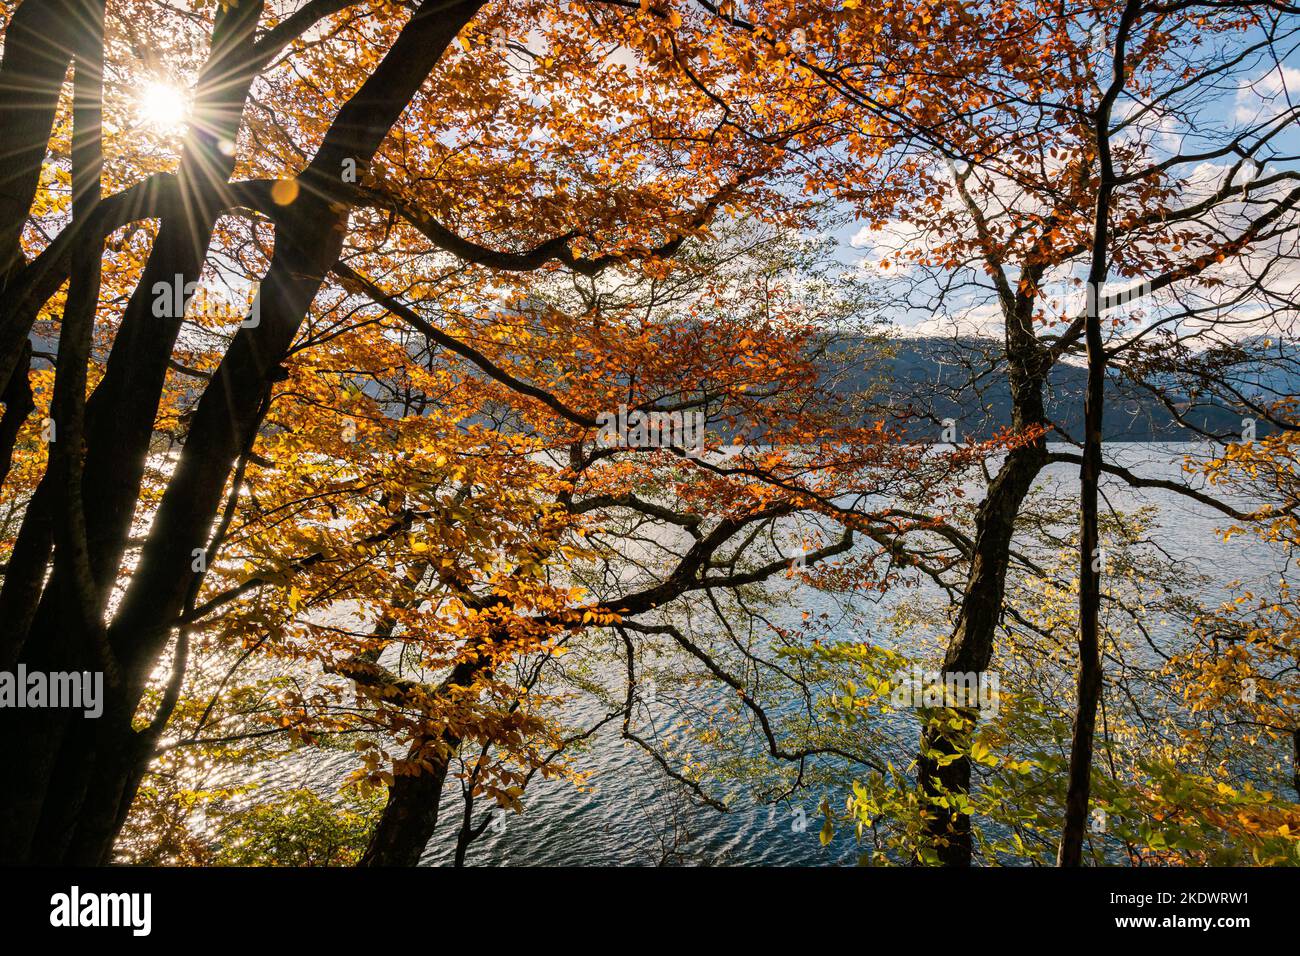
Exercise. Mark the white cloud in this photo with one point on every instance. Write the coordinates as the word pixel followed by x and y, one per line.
pixel 982 321
pixel 1269 95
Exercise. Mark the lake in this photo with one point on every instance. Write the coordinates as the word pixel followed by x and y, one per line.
pixel 619 817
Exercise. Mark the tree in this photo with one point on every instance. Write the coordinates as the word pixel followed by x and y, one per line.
pixel 354 348
pixel 360 138
pixel 76 781
pixel 996 205
pixel 550 533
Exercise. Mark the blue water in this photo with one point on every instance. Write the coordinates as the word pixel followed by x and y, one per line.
pixel 627 814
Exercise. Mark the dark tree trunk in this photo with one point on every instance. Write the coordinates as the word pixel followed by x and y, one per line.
pixel 38 48
pixel 80 610
pixel 970 649
pixel 17 398
pixel 1295 761
pixel 37 51
pixel 411 813
pixel 1075 827
pixel 1088 688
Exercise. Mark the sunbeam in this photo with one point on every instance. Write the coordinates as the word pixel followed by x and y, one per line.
pixel 162 106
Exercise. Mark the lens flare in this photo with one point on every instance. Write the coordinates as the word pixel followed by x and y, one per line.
pixel 162 106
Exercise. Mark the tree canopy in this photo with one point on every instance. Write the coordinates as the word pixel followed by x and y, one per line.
pixel 431 391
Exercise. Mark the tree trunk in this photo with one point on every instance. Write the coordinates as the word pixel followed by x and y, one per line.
pixel 1295 761
pixel 1089 684
pixel 38 48
pixel 39 40
pixel 1075 827
pixel 17 398
pixel 411 813
pixel 971 650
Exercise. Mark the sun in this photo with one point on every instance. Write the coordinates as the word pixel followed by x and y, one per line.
pixel 162 106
